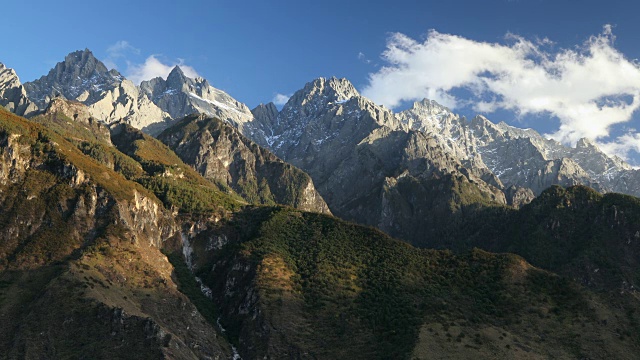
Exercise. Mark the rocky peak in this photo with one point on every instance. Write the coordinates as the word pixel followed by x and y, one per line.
pixel 81 63
pixel 109 96
pixel 269 109
pixel 81 76
pixel 153 86
pixel 585 143
pixel 482 127
pixel 333 102
pixel 176 78
pixel 266 113
pixel 428 116
pixel 342 88
pixel 328 113
pixel 430 107
pixel 8 77
pixel 12 94
pixel 481 121
pixel 181 95
pixel 518 132
pixel 321 92
pixel 596 162
pixel 333 89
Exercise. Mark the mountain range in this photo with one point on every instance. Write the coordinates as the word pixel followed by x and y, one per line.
pixel 516 157
pixel 168 220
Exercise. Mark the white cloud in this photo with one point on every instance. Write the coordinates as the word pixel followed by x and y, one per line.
pixel 362 57
pixel 589 88
pixel 153 67
pixel 121 48
pixel 280 99
pixel 623 145
pixel 122 52
pixel 117 51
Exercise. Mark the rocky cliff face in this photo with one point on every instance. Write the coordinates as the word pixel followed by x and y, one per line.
pixel 222 155
pixel 13 96
pixel 260 131
pixel 80 260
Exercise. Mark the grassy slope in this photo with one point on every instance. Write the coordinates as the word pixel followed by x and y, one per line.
pixel 331 289
pixel 136 157
pixel 175 183
pixel 577 232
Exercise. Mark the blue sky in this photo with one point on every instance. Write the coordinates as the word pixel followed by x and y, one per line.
pixel 255 50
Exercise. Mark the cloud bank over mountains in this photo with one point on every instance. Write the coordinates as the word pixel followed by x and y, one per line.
pixel 589 88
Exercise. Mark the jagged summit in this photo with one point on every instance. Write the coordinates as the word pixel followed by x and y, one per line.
pixel 81 76
pixel 152 106
pixel 176 78
pixel 324 96
pixel 431 106
pixel 180 95
pixel 268 112
pixel 585 143
pixel 269 107
pixel 84 63
pixel 12 94
pixel 425 115
pixel 320 93
pixel 325 90
pixel 9 76
pixel 326 112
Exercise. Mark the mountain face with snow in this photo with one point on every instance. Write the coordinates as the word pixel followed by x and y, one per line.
pixel 79 77
pixel 522 157
pixel 329 117
pixel 152 106
pixel 368 166
pixel 13 96
pixel 180 96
